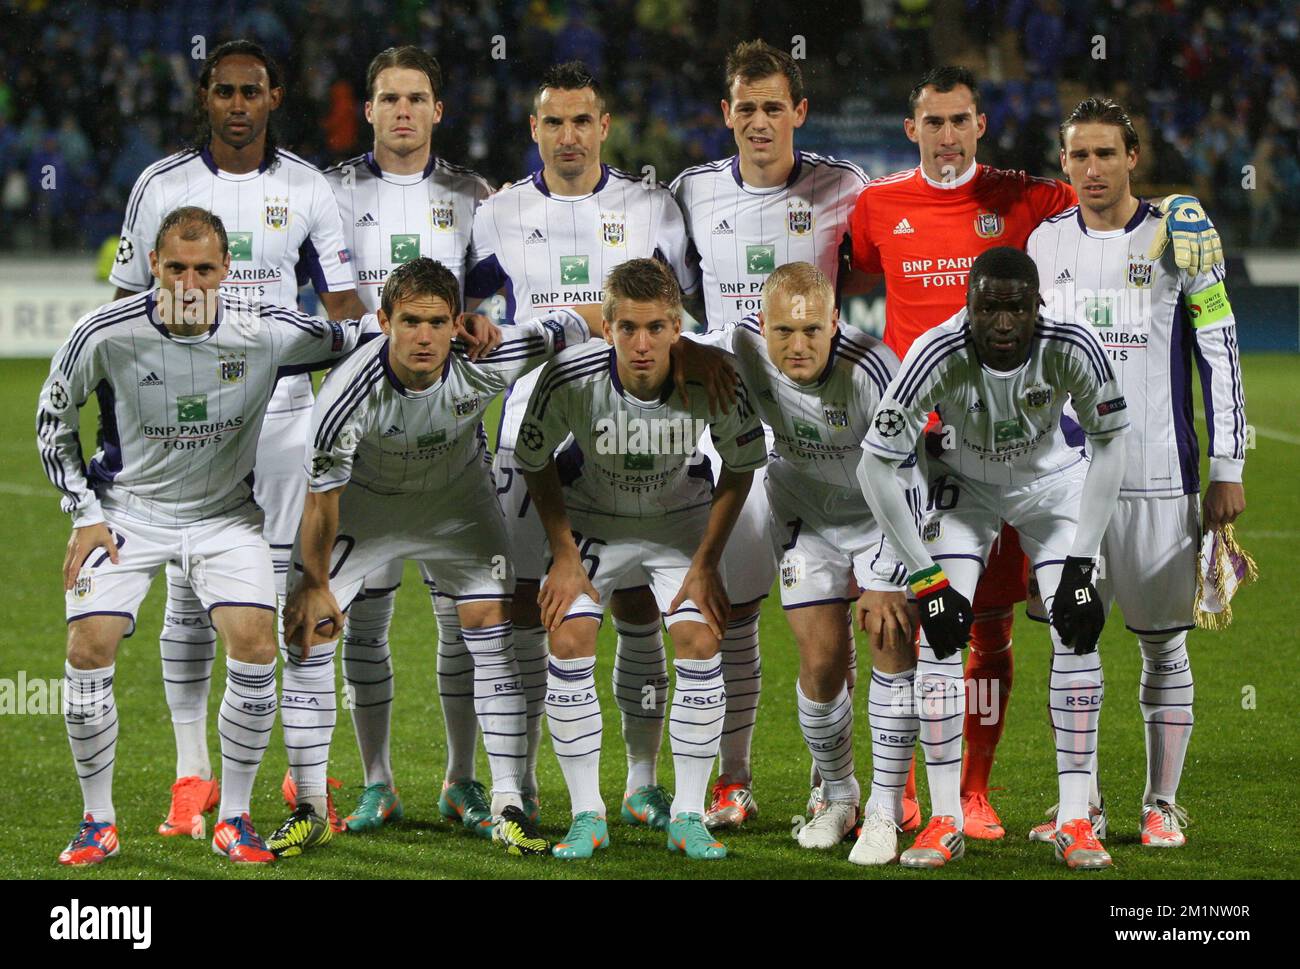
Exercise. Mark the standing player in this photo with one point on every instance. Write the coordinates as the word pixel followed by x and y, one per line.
pixel 1152 318
pixel 999 374
pixel 184 375
pixel 547 241
pixel 765 206
pixel 817 386
pixel 636 512
pixel 398 470
pixel 397 203
pixel 283 225
pixel 922 228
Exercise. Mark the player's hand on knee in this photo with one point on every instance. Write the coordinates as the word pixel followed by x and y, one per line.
pixel 81 545
pixel 1077 614
pixel 884 617
pixel 1224 502
pixel 946 614
pixel 565 582
pixel 311 616
pixel 703 586
pixel 480 334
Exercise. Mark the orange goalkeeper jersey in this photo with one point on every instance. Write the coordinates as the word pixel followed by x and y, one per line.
pixel 923 238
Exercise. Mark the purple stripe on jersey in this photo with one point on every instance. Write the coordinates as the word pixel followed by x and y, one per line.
pixel 1139 216
pixel 106 470
pixel 486 278
pixel 211 162
pixel 929 358
pixel 137 194
pixel 308 267
pixel 1074 435
pixel 1180 400
pixel 539 181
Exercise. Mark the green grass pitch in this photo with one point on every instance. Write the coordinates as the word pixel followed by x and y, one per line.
pixel 1238 783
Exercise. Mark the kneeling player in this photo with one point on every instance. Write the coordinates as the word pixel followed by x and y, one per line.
pixel 999 375
pixel 817 386
pixel 638 512
pixel 400 424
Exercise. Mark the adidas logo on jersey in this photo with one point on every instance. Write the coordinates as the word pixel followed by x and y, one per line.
pixel 392 431
pixel 366 220
pixel 151 380
pixel 534 237
pixel 977 407
pixel 1065 277
pixel 903 228
pixel 723 228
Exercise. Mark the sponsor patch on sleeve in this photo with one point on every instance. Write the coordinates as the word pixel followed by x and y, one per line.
pixel 752 434
pixel 336 344
pixel 1111 406
pixel 345 255
pixel 1209 306
pixel 557 334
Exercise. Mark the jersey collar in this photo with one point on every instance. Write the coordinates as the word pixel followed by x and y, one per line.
pixel 150 310
pixel 664 392
pixel 205 154
pixel 1139 216
pixel 539 183
pixel 965 179
pixel 378 172
pixel 400 387
pixel 793 177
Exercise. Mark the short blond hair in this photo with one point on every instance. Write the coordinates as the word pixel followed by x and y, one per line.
pixel 797 279
pixel 642 280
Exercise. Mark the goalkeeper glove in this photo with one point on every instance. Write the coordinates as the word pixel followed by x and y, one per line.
pixel 1196 242
pixel 946 614
pixel 1077 615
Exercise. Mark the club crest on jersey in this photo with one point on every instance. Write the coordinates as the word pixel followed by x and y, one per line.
pixel 84 586
pixel 612 228
pixel 277 213
pixel 442 213
pixel 1139 273
pixel 465 405
pixel 1038 396
pixel 320 464
pixel 931 531
pixel 233 366
pixel 793 568
pixel 836 416
pixel 799 217
pixel 989 225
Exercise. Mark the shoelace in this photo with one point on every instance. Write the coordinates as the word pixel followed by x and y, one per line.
pixel 371 800
pixel 1174 816
pixel 86 833
pixel 246 833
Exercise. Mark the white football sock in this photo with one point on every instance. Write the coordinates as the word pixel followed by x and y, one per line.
pixel 891 712
pixel 941 710
pixel 502 712
pixel 640 661
pixel 244 724
pixel 531 653
pixel 1165 696
pixel 368 674
pixel 90 715
pixel 742 669
pixel 573 714
pixel 307 714
pixel 695 729
pixel 456 691
pixel 828 731
pixel 1074 699
pixel 188 645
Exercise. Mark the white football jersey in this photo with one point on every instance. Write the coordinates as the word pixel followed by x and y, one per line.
pixel 633 456
pixel 1153 319
pixel 283 227
pixel 549 251
pixel 740 233
pixel 181 415
pixel 1000 428
pixel 817 428
pixel 369 429
pixel 391 219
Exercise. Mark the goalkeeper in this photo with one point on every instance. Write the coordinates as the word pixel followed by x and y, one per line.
pixel 999 374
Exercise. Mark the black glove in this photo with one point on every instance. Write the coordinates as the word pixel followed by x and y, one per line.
pixel 1077 615
pixel 946 614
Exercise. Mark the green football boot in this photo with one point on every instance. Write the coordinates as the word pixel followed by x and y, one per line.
pixel 519 835
pixel 468 801
pixel 379 805
pixel 587 833
pixel 687 834
pixel 301 831
pixel 648 807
